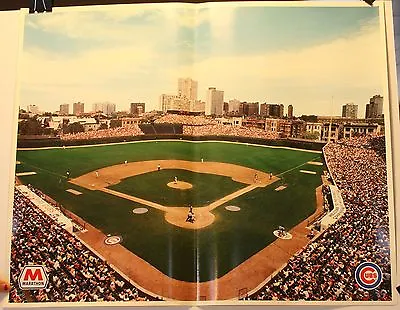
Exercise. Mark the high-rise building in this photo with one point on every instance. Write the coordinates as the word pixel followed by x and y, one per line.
pixel 185 100
pixel 264 110
pixel 214 102
pixel 78 108
pixel 350 110
pixel 64 109
pixel 374 109
pixel 226 107
pixel 272 110
pixel 233 106
pixel 367 110
pixel 290 111
pixel 253 108
pixel 105 107
pixel 249 108
pixel 281 110
pixel 138 108
pixel 33 108
pixel 197 106
pixel 110 108
pixel 177 103
pixel 181 104
pixel 187 88
pixel 166 102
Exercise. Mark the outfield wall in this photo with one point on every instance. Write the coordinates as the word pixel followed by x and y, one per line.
pixel 54 142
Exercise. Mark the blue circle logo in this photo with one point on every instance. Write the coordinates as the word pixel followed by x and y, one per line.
pixel 368 275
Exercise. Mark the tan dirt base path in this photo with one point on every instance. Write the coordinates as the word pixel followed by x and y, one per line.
pixel 101 178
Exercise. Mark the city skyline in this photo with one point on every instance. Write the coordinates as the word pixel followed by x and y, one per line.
pixel 287 110
pixel 236 51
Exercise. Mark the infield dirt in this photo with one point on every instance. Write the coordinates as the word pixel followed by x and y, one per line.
pixel 102 178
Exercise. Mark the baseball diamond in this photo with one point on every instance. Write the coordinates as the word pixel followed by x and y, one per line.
pixel 161 251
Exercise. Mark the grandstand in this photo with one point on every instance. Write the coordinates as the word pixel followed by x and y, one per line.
pixel 324 270
pixel 75 272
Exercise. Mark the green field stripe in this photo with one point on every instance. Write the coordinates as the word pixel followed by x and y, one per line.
pixel 291 169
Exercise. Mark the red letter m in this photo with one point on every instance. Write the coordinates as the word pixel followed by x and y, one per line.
pixel 33 276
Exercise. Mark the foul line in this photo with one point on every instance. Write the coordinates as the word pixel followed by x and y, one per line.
pixel 49 171
pixel 135 199
pixel 229 197
pixel 155 205
pixel 291 169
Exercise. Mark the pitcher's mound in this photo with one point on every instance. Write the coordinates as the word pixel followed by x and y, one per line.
pixel 180 185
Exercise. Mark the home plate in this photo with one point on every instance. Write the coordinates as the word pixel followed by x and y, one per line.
pixel 72 191
pixel 315 163
pixel 308 172
pixel 21 174
pixel 140 210
pixel 280 188
pixel 232 208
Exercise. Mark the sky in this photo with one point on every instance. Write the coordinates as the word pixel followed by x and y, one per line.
pixel 303 56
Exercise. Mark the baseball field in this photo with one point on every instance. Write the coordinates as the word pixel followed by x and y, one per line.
pixel 266 187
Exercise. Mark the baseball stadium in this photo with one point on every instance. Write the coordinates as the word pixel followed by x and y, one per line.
pixel 184 209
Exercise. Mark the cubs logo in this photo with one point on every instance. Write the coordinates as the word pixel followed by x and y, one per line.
pixel 368 275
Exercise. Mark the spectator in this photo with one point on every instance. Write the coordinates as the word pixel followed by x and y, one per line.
pixel 324 270
pixel 75 273
pixel 127 131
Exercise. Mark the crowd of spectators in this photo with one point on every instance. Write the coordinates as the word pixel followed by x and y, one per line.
pixel 192 126
pixel 75 273
pixel 44 196
pixel 229 130
pixel 193 120
pixel 126 131
pixel 206 126
pixel 376 143
pixel 326 194
pixel 325 269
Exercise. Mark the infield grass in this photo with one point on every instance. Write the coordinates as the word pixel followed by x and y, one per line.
pixel 206 187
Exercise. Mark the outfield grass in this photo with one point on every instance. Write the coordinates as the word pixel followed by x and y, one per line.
pixel 177 252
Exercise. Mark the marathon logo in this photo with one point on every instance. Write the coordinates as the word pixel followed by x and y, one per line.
pixel 33 277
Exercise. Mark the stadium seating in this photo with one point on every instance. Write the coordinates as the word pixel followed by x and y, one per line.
pixel 75 272
pixel 324 270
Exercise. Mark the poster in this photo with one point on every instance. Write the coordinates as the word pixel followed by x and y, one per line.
pixel 196 153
